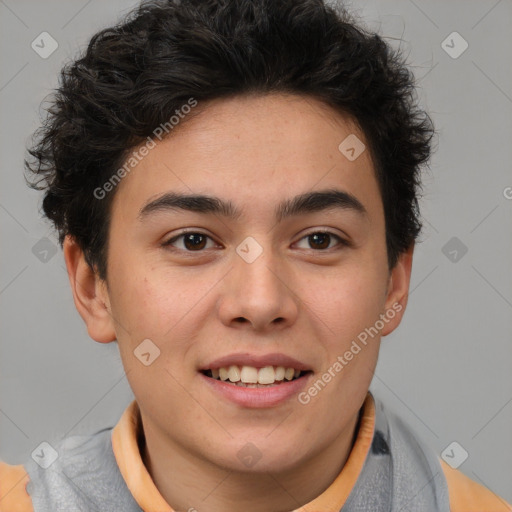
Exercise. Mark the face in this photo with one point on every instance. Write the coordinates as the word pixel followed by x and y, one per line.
pixel 264 287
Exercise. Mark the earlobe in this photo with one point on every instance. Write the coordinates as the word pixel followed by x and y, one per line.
pixel 398 291
pixel 89 294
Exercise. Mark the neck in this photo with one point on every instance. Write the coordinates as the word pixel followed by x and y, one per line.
pixel 187 481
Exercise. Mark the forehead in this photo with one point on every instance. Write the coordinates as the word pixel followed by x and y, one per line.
pixel 254 151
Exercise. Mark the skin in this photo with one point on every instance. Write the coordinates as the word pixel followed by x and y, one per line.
pixel 196 306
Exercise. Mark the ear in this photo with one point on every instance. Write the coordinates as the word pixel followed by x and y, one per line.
pixel 398 291
pixel 90 294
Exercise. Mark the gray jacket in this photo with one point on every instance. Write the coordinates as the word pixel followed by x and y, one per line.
pixel 400 474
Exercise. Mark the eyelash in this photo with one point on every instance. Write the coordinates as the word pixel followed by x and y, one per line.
pixel 167 244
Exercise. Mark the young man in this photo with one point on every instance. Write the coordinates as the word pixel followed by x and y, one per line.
pixel 234 183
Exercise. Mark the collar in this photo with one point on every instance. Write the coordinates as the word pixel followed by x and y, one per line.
pixel 125 445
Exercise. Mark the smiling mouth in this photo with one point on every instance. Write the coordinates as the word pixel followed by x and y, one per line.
pixel 251 377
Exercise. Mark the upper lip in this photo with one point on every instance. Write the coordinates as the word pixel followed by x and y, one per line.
pixel 257 361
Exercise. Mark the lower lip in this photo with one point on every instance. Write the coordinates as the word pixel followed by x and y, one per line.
pixel 258 397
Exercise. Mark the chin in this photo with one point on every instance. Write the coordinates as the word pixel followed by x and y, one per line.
pixel 258 457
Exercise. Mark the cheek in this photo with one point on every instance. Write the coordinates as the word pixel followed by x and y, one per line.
pixel 164 307
pixel 146 301
pixel 350 301
pixel 347 308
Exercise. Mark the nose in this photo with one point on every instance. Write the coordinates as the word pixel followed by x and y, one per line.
pixel 258 295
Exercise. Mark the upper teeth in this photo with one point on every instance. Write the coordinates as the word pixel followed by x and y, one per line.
pixel 252 375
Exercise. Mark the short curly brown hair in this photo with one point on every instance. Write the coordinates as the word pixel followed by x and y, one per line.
pixel 135 75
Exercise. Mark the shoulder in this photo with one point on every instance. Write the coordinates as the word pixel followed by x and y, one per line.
pixel 26 486
pixel 456 490
pixel 466 495
pixel 13 492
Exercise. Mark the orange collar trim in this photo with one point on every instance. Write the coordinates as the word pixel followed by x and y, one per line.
pixel 147 496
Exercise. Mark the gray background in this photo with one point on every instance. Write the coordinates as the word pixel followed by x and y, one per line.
pixel 446 370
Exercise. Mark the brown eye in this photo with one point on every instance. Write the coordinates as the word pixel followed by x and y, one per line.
pixel 321 240
pixel 192 241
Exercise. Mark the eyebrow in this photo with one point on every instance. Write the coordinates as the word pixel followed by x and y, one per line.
pixel 308 202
